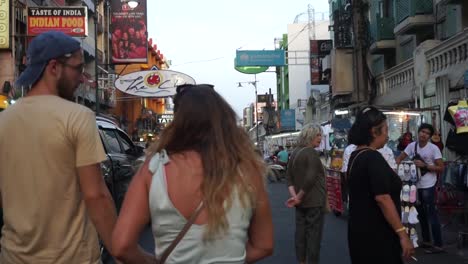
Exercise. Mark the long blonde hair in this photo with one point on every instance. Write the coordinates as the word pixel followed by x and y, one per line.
pixel 206 123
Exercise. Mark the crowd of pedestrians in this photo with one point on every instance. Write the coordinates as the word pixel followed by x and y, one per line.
pixel 201 187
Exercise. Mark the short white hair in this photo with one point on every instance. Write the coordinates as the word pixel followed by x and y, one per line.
pixel 308 133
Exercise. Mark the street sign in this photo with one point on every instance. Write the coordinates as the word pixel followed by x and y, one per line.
pixel 288 119
pixel 160 83
pixel 251 69
pixel 71 20
pixel 260 58
pixel 264 98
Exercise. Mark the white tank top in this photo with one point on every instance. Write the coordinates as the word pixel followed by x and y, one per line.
pixel 167 221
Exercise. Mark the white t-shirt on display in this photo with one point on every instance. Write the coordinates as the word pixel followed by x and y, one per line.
pixel 429 154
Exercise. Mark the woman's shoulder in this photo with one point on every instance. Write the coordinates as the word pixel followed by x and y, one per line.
pixel 156 159
pixel 366 153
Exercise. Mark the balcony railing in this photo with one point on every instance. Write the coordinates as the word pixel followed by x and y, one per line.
pixel 448 54
pixel 409 8
pixel 382 28
pixel 399 76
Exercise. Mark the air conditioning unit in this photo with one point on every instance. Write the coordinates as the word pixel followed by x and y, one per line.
pixel 101 84
pixel 112 78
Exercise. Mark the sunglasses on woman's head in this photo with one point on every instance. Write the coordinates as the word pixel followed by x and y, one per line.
pixel 181 89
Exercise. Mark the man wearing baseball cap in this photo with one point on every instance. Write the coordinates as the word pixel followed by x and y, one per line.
pixel 53 195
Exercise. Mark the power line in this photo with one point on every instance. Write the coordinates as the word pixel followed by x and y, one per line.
pixel 297 34
pixel 198 61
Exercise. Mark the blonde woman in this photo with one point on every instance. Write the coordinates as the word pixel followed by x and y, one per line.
pixel 306 185
pixel 202 163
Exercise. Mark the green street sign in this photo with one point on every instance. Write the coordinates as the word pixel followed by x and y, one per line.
pixel 251 69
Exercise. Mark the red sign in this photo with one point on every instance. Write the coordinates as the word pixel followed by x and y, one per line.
pixel 129 33
pixel 60 2
pixel 318 50
pixel 72 21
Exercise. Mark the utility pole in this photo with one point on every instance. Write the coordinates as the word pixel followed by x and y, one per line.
pixel 360 52
pixel 95 55
pixel 256 108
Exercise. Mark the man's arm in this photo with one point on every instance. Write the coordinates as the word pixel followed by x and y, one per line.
pixel 400 158
pixel 98 201
pixel 438 166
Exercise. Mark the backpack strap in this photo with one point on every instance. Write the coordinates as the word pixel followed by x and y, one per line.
pixel 295 156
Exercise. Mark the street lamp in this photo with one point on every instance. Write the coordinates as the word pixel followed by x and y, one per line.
pixel 133 3
pixel 254 83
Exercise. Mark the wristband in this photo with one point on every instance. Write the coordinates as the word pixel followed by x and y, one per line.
pixel 400 229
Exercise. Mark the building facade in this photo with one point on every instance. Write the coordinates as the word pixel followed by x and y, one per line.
pixel 143 117
pixel 415 53
pixel 300 82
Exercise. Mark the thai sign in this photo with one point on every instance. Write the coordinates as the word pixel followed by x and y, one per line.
pixel 161 83
pixel 4 24
pixel 260 58
pixel 318 50
pixel 72 21
pixel 129 33
pixel 288 119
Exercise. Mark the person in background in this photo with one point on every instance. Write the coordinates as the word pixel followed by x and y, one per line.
pixel 386 152
pixel 283 156
pixel 428 158
pixel 53 195
pixel 306 185
pixel 375 230
pixel 203 163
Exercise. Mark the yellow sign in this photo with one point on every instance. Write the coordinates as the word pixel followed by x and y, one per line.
pixel 3 102
pixel 4 24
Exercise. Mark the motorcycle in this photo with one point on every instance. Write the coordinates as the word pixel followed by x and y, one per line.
pixel 276 172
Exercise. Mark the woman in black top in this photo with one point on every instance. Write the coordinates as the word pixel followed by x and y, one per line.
pixel 375 231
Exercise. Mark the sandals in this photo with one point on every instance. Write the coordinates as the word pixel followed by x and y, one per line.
pixel 435 250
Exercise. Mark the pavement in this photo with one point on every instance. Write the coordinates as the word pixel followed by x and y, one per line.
pixel 334 248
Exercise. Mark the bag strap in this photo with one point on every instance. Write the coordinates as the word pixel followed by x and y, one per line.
pixel 181 234
pixel 295 155
pixel 352 163
pixel 415 148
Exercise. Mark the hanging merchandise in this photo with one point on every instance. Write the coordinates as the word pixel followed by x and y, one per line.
pixel 406 137
pixel 409 174
pixel 436 139
pixel 459 114
pixel 457 142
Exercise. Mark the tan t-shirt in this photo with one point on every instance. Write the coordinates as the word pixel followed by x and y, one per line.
pixel 43 139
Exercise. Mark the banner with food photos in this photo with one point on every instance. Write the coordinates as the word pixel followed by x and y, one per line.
pixel 129 32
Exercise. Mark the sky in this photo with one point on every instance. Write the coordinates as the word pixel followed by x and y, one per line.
pixel 201 37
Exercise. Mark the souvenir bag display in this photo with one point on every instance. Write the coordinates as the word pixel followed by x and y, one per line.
pixel 436 138
pixel 408 173
pixel 406 138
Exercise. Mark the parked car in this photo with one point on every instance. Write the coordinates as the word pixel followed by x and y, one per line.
pixel 123 158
